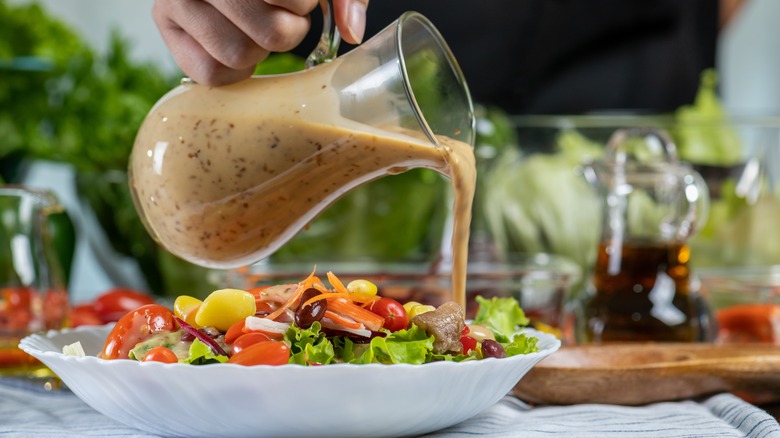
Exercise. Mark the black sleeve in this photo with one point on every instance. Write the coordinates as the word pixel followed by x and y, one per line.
pixel 570 56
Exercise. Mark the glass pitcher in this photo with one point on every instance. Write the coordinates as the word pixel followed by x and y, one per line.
pixel 33 297
pixel 223 176
pixel 641 288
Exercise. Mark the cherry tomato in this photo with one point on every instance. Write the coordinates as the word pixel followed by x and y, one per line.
pixel 160 354
pixel 115 303
pixel 16 310
pixel 235 331
pixel 392 311
pixel 468 343
pixel 17 297
pixel 749 323
pixel 248 339
pixel 84 314
pixel 264 353
pixel 137 326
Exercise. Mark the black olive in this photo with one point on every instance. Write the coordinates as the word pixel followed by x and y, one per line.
pixel 491 348
pixel 307 314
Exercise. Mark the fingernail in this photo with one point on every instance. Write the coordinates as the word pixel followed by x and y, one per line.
pixel 357 21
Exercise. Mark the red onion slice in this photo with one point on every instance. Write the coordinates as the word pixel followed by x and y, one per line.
pixel 206 339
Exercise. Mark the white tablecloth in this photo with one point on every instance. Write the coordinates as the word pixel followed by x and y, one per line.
pixel 30 411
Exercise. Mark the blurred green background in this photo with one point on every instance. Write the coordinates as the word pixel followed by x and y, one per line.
pixel 64 102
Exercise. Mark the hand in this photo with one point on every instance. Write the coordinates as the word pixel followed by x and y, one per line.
pixel 217 42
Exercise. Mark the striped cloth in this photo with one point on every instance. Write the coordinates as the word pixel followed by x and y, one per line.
pixel 26 411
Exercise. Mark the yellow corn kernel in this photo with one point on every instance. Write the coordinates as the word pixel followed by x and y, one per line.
pixel 419 310
pixel 362 287
pixel 224 307
pixel 409 305
pixel 185 307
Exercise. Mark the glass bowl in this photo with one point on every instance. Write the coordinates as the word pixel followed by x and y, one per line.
pixel 534 198
pixel 745 302
pixel 724 287
pixel 540 282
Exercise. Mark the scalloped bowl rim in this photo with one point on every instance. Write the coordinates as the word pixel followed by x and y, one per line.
pixel 292 400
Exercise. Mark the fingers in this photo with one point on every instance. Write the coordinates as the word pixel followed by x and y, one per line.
pixel 198 64
pixel 350 17
pixel 274 25
pixel 216 42
pixel 298 7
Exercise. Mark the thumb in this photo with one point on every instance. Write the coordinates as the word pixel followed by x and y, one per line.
pixel 350 17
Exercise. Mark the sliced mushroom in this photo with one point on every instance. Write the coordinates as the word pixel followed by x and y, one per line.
pixel 445 324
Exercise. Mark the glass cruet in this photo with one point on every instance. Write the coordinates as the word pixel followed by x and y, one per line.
pixel 223 176
pixel 641 287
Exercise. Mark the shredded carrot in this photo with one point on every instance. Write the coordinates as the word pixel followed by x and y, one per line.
pixel 362 299
pixel 315 282
pixel 371 320
pixel 302 286
pixel 323 296
pixel 340 303
pixel 341 320
pixel 336 283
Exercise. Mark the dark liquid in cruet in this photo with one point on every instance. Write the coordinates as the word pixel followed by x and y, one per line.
pixel 641 291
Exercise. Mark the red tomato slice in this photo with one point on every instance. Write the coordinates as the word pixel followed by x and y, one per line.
pixel 17 297
pixel 468 343
pixel 160 354
pixel 392 311
pixel 248 339
pixel 137 326
pixel 264 353
pixel 749 323
pixel 115 303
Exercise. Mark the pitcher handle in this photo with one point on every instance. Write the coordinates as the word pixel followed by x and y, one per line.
pixel 328 46
pixel 657 146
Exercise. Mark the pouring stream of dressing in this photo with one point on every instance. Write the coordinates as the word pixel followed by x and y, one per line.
pixel 223 178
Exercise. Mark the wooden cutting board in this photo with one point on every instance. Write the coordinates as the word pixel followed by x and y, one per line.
pixel 636 374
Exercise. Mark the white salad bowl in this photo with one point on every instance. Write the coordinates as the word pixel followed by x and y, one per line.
pixel 340 400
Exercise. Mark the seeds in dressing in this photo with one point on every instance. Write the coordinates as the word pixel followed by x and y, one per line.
pixel 223 180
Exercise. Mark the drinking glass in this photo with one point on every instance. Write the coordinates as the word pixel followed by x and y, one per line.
pixel 33 296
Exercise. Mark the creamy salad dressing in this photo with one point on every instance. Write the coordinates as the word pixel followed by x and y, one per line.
pixel 224 176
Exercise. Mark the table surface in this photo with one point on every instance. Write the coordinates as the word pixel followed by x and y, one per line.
pixel 28 410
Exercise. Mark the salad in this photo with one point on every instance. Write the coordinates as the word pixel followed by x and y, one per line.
pixel 310 324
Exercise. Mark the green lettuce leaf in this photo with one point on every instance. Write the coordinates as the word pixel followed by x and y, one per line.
pixel 521 344
pixel 412 346
pixel 703 133
pixel 202 354
pixel 502 315
pixel 309 346
pixel 528 200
